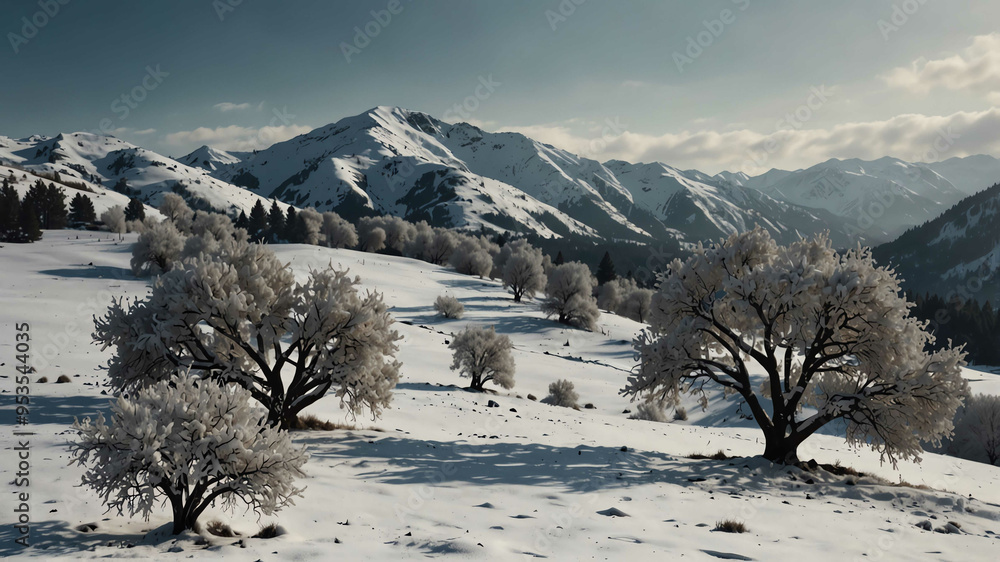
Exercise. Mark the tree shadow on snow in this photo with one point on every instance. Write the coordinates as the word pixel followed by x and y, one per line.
pixel 411 461
pixel 91 272
pixel 60 538
pixel 61 410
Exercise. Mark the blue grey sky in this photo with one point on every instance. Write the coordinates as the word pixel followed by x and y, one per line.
pixel 712 84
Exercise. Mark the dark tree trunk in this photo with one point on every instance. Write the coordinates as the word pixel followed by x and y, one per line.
pixel 781 450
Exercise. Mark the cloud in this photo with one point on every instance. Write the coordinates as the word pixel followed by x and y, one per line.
pixel 975 68
pixel 911 137
pixel 235 137
pixel 229 106
pixel 144 132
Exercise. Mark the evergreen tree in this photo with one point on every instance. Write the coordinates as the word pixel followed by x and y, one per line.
pixel 10 213
pixel 81 210
pixel 289 233
pixel 257 224
pixel 275 222
pixel 135 210
pixel 559 259
pixel 56 215
pixel 242 221
pixel 606 270
pixel 27 224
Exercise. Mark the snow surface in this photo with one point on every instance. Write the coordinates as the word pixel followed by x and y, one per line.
pixel 445 476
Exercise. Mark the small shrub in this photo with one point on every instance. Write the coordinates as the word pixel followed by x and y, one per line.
pixel 268 531
pixel 650 411
pixel 449 307
pixel 219 529
pixel 680 414
pixel 561 393
pixel 310 422
pixel 719 455
pixel 731 526
pixel 62 379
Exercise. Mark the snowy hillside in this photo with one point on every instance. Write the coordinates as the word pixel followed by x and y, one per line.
pixel 443 475
pixel 102 198
pixel 956 254
pixel 106 161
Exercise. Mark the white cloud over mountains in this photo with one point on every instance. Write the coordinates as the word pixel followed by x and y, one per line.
pixel 234 137
pixel 911 137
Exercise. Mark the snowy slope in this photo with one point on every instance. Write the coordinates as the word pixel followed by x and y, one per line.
pixel 448 477
pixel 104 160
pixel 956 254
pixel 102 198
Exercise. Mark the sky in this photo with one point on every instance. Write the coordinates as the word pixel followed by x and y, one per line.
pixel 740 85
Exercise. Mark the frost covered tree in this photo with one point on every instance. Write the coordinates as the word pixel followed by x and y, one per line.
pixel 433 246
pixel 562 393
pixel 398 232
pixel 568 296
pixel 637 304
pixel 239 315
pixel 192 443
pixel 157 248
pixel 484 356
pixel 828 330
pixel 372 240
pixel 472 257
pixel 977 430
pixel 177 210
pixel 114 219
pixel 337 232
pixel 521 269
pixel 212 233
pixel 449 307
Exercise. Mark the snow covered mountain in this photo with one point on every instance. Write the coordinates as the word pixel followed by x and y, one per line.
pixel 955 255
pixel 879 197
pixel 208 158
pixel 113 164
pixel 707 208
pixel 407 163
pixel 971 174
pixel 410 164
